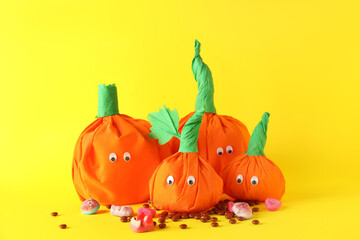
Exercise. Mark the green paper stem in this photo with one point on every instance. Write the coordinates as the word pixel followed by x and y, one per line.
pixel 190 132
pixel 204 79
pixel 258 138
pixel 107 100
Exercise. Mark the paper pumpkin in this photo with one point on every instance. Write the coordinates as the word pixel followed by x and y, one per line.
pixel 253 176
pixel 184 182
pixel 114 157
pixel 221 138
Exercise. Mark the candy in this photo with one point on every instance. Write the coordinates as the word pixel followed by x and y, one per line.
pixel 142 223
pixel 146 211
pixel 230 205
pixel 242 209
pixel 272 204
pixel 122 211
pixel 89 206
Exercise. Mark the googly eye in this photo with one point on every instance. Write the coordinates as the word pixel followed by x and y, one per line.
pixel 112 157
pixel 219 151
pixel 170 180
pixel 239 178
pixel 191 180
pixel 127 156
pixel 229 149
pixel 254 180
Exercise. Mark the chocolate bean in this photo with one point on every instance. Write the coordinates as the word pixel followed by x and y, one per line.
pixel 54 214
pixel 108 206
pixel 256 222
pixel 213 219
pixel 161 220
pixel 240 218
pixel 184 215
pixel 210 212
pixel 257 202
pixel 221 212
pixel 197 217
pixel 251 203
pixel 175 219
pixel 227 200
pixel 123 219
pixel 214 224
pixel 62 226
pixel 162 225
pixel 229 216
pixel 255 209
pixel 154 223
pixel 183 226
pixel 156 209
pixel 146 205
pixel 165 213
pixel 191 215
pixel 203 220
pixel 232 221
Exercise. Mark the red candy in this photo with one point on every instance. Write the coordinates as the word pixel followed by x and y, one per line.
pixel 142 223
pixel 272 204
pixel 230 205
pixel 146 212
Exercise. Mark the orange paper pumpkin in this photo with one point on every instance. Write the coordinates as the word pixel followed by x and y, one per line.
pixel 114 158
pixel 221 138
pixel 184 182
pixel 253 176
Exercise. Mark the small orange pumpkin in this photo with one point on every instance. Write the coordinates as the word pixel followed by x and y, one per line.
pixel 184 182
pixel 221 138
pixel 253 176
pixel 114 158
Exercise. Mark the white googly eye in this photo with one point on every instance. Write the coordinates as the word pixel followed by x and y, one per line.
pixel 112 157
pixel 170 180
pixel 229 149
pixel 219 151
pixel 127 157
pixel 254 180
pixel 239 179
pixel 191 180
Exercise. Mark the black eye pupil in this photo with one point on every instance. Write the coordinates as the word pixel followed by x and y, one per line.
pixel 191 182
pixel 127 158
pixel 170 182
pixel 229 151
pixel 239 180
pixel 254 182
pixel 220 153
pixel 113 159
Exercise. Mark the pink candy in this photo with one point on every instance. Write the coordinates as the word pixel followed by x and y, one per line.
pixel 143 223
pixel 230 205
pixel 89 206
pixel 121 211
pixel 272 204
pixel 146 212
pixel 242 209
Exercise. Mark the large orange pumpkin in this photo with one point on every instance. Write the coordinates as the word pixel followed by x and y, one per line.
pixel 114 158
pixel 221 138
pixel 184 182
pixel 252 176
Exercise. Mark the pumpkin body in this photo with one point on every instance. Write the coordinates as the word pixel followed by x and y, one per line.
pixel 270 180
pixel 218 131
pixel 114 159
pixel 180 196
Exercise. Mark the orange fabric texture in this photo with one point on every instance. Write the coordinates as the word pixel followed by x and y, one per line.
pixel 119 181
pixel 181 196
pixel 218 131
pixel 271 182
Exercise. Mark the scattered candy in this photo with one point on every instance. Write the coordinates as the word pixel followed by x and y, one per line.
pixel 240 218
pixel 124 219
pixel 242 209
pixel 144 223
pixel 154 223
pixel 62 226
pixel 146 205
pixel 256 222
pixel 161 220
pixel 108 206
pixel 89 206
pixel 146 212
pixel 272 204
pixel 204 220
pixel 214 224
pixel 162 225
pixel 122 211
pixel 183 226
pixel 54 214
pixel 255 209
pixel 232 221
pixel 213 219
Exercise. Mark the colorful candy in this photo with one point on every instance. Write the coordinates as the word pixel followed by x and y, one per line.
pixel 142 223
pixel 122 211
pixel 89 206
pixel 272 204
pixel 242 209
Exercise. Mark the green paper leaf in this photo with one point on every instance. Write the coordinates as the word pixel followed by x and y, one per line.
pixel 258 137
pixel 165 124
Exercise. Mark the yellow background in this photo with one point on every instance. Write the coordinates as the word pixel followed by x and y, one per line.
pixel 298 60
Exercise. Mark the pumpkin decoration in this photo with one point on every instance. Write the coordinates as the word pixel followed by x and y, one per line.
pixel 253 176
pixel 221 138
pixel 114 157
pixel 184 182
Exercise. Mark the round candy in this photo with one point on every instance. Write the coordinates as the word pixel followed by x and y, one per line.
pixel 89 206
